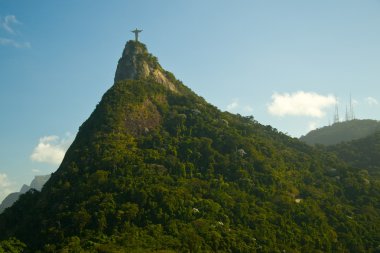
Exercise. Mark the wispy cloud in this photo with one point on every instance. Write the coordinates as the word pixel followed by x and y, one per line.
pixel 51 149
pixel 10 42
pixel 248 109
pixel 372 101
pixel 312 125
pixel 300 103
pixel 6 186
pixel 235 107
pixel 7 22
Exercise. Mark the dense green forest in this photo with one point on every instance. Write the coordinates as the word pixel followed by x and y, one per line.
pixel 158 169
pixel 363 153
pixel 342 132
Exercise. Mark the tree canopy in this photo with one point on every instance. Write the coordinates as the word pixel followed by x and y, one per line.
pixel 160 170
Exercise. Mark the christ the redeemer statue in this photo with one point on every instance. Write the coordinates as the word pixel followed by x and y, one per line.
pixel 136 32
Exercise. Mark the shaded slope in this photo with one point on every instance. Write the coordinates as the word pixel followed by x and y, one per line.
pixel 157 168
pixel 342 131
pixel 362 153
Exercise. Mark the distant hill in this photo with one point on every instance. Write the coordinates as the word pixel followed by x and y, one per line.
pixel 37 184
pixel 363 153
pixel 9 200
pixel 341 132
pixel 39 181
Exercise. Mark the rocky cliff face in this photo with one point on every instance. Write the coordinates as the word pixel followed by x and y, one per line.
pixel 137 63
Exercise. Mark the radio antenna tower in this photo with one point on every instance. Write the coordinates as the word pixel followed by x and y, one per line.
pixel 352 115
pixel 336 115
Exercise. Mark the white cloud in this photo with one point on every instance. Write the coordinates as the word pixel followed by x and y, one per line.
pixel 235 106
pixel 300 103
pixel 51 149
pixel 7 22
pixel 36 171
pixel 6 186
pixel 10 42
pixel 312 125
pixel 371 101
pixel 231 107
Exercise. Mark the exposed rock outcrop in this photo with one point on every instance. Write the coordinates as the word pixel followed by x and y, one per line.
pixel 137 63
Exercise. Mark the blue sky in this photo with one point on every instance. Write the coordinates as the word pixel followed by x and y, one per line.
pixel 287 63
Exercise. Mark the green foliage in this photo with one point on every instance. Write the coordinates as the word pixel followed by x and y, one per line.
pixel 153 170
pixel 362 153
pixel 12 245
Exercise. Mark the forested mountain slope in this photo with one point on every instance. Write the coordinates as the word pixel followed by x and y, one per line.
pixel 157 168
pixel 362 153
pixel 341 132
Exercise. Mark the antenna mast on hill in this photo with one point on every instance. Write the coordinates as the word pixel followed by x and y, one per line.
pixel 350 111
pixel 336 114
pixel 352 115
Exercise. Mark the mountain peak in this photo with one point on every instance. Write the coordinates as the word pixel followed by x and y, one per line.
pixel 153 170
pixel 137 63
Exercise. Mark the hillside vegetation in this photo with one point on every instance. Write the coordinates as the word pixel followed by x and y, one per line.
pixel 156 168
pixel 342 132
pixel 363 153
